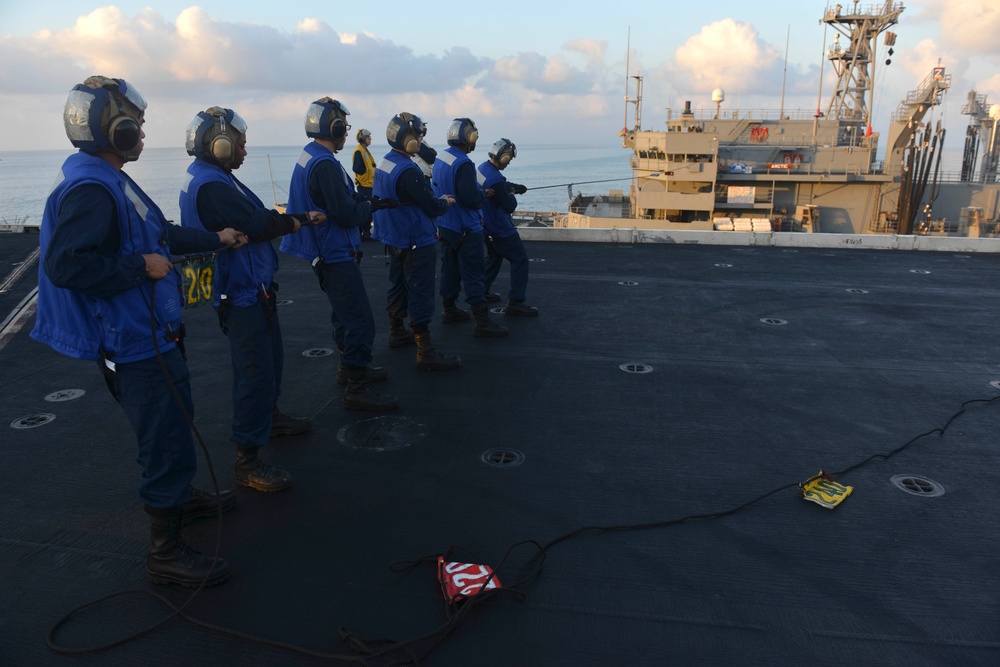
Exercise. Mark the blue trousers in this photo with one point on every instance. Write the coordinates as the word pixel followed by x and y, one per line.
pixel 258 361
pixel 165 448
pixel 512 249
pixel 462 262
pixel 411 283
pixel 353 324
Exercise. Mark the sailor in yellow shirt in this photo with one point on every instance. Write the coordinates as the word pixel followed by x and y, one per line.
pixel 364 164
pixel 364 173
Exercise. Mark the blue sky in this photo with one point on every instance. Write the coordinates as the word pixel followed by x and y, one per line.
pixel 537 73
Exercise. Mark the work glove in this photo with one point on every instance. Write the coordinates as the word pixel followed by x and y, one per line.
pixel 378 204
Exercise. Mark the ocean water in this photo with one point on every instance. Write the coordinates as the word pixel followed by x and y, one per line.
pixel 26 177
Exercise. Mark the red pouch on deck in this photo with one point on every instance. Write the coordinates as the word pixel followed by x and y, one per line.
pixel 464 580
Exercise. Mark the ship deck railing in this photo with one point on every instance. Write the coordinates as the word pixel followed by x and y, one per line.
pixel 742 114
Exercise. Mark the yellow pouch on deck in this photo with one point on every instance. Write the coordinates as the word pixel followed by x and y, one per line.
pixel 824 491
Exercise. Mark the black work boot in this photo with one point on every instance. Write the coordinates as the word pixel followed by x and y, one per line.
pixel 453 313
pixel 399 335
pixel 282 424
pixel 359 396
pixel 430 359
pixel 485 327
pixel 492 297
pixel 520 309
pixel 255 474
pixel 170 561
pixel 205 505
pixel 375 374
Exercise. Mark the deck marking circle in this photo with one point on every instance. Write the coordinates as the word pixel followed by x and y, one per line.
pixel 499 310
pixel 382 434
pixel 65 395
pixel 995 384
pixel 774 321
pixel 917 485
pixel 32 421
pixel 922 272
pixel 502 457
pixel 636 368
pixel 856 290
pixel 317 352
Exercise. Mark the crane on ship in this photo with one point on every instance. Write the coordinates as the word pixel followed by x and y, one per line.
pixel 855 64
pixel 982 129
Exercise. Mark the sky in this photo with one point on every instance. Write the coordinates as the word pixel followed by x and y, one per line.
pixel 552 73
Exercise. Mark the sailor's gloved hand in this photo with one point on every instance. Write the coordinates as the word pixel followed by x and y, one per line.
pixel 518 189
pixel 379 203
pixel 315 218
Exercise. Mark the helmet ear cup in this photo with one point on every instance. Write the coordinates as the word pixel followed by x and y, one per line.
pixel 123 133
pixel 338 128
pixel 471 135
pixel 222 149
pixel 504 159
pixel 411 144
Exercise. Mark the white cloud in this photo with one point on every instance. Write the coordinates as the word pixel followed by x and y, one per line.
pixel 726 53
pixel 972 25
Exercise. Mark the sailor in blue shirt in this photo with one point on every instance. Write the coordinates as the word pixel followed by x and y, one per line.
pixel 212 198
pixel 502 240
pixel 407 232
pixel 107 292
pixel 320 183
pixel 460 230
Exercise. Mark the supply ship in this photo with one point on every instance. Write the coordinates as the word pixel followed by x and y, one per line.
pixel 811 171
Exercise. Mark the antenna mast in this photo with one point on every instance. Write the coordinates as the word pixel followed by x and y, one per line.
pixel 628 55
pixel 638 91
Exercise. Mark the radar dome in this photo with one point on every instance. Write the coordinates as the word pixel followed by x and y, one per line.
pixel 718 95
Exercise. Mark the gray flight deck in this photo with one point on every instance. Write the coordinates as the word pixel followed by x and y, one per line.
pixel 767 365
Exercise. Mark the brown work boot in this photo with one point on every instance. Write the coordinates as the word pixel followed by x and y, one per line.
pixel 359 396
pixel 253 473
pixel 282 424
pixel 485 327
pixel 429 358
pixel 452 313
pixel 399 335
pixel 520 309
pixel 171 561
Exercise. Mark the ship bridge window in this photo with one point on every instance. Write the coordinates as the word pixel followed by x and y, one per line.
pixel 689 187
pixel 691 157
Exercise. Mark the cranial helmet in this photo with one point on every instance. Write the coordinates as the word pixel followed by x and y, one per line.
pixel 326 118
pixel 363 134
pixel 503 151
pixel 105 114
pixel 462 131
pixel 213 134
pixel 404 132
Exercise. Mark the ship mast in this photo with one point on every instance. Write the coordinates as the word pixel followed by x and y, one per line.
pixel 855 64
pixel 638 92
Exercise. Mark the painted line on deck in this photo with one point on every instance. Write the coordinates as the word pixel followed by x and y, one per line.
pixel 19 271
pixel 18 317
